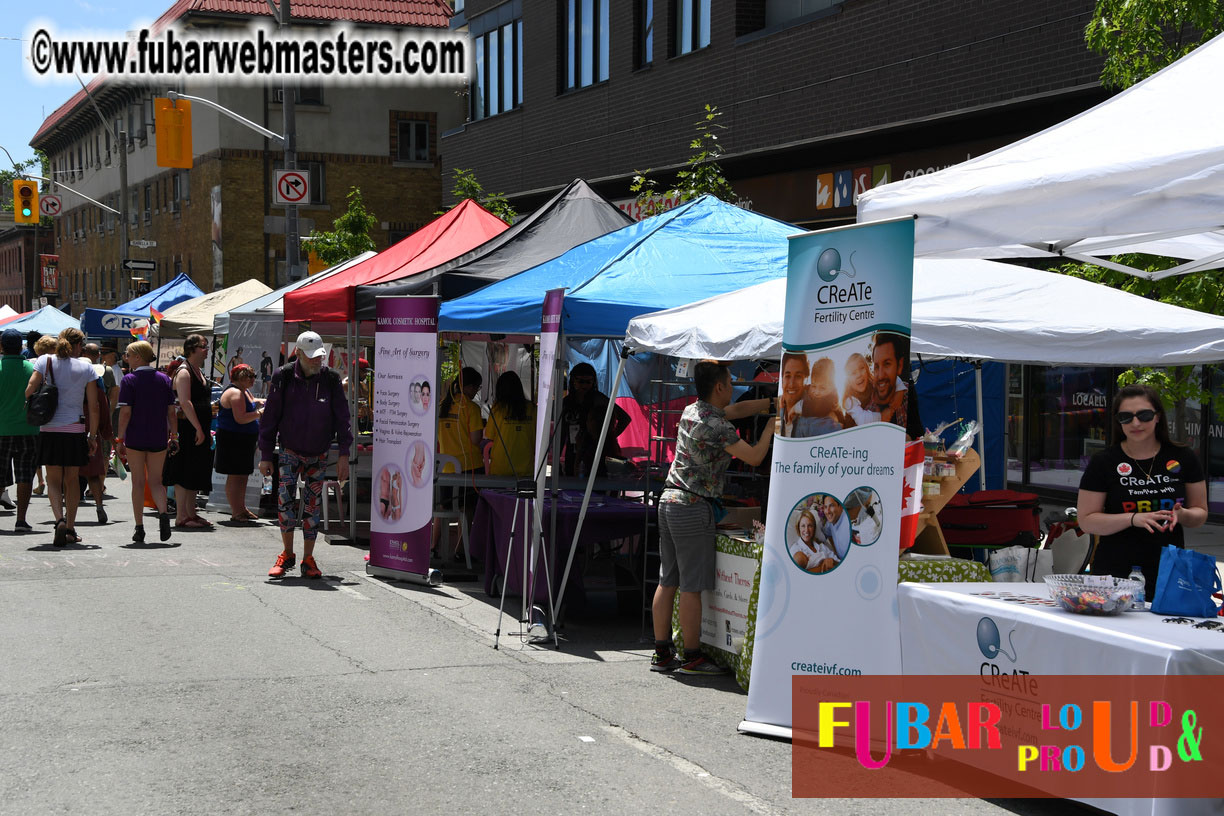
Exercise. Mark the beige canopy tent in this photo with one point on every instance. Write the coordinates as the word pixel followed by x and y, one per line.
pixel 195 316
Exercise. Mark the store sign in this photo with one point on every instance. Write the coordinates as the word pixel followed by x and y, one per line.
pixel 401 494
pixel 49 264
pixel 637 209
pixel 828 586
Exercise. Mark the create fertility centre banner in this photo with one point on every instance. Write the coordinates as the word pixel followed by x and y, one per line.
pixel 401 495
pixel 828 587
pixel 550 334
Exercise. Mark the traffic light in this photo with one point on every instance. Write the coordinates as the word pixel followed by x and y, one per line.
pixel 172 119
pixel 25 202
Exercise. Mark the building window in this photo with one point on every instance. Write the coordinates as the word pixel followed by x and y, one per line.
pixel 412 141
pixel 302 95
pixel 643 26
pixel 498 40
pixel 148 203
pixel 691 22
pixel 780 12
pixel 586 42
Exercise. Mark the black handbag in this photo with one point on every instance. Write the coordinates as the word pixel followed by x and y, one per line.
pixel 41 405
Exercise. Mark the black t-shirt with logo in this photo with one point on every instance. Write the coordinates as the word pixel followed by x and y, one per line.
pixel 1139 486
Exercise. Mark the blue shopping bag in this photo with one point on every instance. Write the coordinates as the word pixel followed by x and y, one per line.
pixel 1186 582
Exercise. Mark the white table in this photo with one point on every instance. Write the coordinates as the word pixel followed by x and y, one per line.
pixel 942 633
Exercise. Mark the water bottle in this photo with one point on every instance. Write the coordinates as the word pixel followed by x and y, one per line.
pixel 1136 574
pixel 267 486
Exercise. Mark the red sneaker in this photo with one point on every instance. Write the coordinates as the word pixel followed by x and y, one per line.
pixel 310 569
pixel 284 561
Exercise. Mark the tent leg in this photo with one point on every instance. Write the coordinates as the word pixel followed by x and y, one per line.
pixel 355 426
pixel 586 496
pixel 981 416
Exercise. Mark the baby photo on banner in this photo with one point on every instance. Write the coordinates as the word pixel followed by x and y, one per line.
pixel 828 588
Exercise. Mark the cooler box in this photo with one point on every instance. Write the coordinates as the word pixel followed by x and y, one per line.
pixel 991 518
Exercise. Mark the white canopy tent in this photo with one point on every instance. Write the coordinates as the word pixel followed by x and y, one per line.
pixel 1141 172
pixel 971 309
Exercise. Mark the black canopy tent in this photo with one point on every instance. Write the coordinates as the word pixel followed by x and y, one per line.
pixel 573 216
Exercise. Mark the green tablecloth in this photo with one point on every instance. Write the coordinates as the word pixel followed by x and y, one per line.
pixel 950 570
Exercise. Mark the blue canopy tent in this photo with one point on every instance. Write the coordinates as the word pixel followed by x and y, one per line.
pixel 119 321
pixel 47 320
pixel 702 248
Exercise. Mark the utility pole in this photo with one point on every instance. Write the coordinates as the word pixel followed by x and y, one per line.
pixel 124 203
pixel 293 257
pixel 121 142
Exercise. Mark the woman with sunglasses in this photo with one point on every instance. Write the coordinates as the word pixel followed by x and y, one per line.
pixel 1140 492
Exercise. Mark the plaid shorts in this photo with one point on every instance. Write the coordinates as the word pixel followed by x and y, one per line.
pixel 18 459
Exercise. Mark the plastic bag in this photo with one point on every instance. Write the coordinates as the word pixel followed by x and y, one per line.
pixel 965 440
pixel 117 464
pixel 1020 564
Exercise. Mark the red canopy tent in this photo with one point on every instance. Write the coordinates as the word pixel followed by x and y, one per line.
pixel 331 299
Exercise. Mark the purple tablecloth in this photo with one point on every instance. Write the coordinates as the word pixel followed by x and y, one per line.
pixel 614 518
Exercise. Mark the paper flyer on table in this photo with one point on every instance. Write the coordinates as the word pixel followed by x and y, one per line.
pixel 828 589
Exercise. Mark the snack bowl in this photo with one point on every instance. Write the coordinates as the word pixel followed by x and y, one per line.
pixel 1093 594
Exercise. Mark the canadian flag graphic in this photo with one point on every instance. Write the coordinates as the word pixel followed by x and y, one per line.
pixel 911 493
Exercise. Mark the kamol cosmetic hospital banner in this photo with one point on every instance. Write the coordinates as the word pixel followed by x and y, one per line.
pixel 828 588
pixel 401 494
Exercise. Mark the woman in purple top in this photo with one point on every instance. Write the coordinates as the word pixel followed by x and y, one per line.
pixel 146 428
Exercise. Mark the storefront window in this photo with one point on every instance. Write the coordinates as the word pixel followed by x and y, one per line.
pixel 1215 442
pixel 1015 423
pixel 1066 423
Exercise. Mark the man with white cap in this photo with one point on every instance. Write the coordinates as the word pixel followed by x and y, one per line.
pixel 306 411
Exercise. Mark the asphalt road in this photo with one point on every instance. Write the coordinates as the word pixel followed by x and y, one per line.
pixel 179 679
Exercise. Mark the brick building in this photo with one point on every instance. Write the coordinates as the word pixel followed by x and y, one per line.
pixel 216 222
pixel 19 262
pixel 820 99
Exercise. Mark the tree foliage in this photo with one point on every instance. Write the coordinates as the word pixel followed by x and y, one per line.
pixel 1139 37
pixel 700 175
pixel 350 234
pixel 467 186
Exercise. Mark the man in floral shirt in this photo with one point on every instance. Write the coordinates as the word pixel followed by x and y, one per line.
pixel 705 442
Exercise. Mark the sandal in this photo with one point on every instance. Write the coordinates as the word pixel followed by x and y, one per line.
pixel 203 522
pixel 71 536
pixel 192 524
pixel 61 539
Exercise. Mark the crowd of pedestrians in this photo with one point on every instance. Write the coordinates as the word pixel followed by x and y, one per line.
pixel 158 425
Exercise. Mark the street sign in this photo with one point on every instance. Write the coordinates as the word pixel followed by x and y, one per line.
pixel 292 187
pixel 140 266
pixel 50 205
pixel 141 243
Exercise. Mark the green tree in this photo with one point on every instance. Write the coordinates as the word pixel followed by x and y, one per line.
pixel 1201 291
pixel 40 162
pixel 466 186
pixel 350 234
pixel 700 175
pixel 1139 37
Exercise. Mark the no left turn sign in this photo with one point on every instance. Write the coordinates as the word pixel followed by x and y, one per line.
pixel 292 187
pixel 50 205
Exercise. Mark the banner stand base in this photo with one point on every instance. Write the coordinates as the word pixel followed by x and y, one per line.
pixel 757 729
pixel 431 578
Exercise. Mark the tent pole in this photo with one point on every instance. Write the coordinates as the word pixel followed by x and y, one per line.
pixel 586 496
pixel 977 378
pixel 353 385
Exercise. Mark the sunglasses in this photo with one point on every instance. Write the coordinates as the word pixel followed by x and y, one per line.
pixel 1125 417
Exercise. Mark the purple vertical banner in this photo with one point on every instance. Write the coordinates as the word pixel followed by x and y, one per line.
pixel 550 333
pixel 404 400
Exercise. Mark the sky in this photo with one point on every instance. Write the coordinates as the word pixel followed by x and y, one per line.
pixel 26 104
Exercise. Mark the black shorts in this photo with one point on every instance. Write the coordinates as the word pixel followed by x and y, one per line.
pixel 58 449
